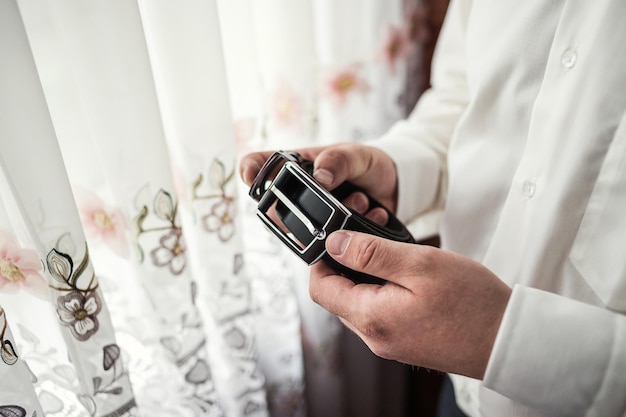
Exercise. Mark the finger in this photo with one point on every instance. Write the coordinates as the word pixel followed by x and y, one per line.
pixel 251 164
pixel 336 293
pixel 358 306
pixel 354 163
pixel 329 289
pixel 330 167
pixel 357 202
pixel 360 203
pixel 378 215
pixel 340 163
pixel 384 258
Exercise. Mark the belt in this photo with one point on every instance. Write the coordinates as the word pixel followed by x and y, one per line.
pixel 302 213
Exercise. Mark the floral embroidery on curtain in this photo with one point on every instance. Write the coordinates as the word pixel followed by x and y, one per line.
pixel 221 218
pixel 77 307
pixel 170 253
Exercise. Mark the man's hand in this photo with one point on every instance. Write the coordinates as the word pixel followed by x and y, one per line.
pixel 439 310
pixel 364 166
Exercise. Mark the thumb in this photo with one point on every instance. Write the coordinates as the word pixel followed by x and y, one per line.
pixel 373 255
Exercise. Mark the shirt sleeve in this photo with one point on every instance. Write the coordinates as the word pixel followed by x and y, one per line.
pixel 535 361
pixel 418 145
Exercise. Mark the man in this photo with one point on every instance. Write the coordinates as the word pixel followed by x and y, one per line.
pixel 522 141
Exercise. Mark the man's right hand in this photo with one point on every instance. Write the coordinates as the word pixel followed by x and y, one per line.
pixel 364 166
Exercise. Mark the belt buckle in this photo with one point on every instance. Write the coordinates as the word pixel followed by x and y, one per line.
pixel 304 212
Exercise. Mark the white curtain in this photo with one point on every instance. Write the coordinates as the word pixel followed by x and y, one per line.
pixel 134 278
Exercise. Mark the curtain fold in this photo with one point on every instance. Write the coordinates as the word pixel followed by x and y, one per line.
pixel 48 212
pixel 20 395
pixel 135 274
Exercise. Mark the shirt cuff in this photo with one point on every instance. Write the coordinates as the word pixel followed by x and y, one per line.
pixel 418 170
pixel 559 355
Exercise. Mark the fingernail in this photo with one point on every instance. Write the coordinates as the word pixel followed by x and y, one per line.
pixel 337 243
pixel 323 176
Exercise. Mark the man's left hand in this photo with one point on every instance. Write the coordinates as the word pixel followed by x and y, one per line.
pixel 438 310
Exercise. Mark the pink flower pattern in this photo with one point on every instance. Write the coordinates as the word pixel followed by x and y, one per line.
pixel 103 222
pixel 20 268
pixel 396 46
pixel 346 81
pixel 285 106
pixel 401 41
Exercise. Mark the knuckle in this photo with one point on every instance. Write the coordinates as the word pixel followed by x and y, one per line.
pixel 373 329
pixel 336 157
pixel 382 351
pixel 340 155
pixel 315 292
pixel 428 259
pixel 367 254
pixel 377 337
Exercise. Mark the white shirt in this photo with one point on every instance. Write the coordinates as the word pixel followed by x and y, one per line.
pixel 523 139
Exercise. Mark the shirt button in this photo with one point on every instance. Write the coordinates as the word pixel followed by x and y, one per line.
pixel 528 188
pixel 568 60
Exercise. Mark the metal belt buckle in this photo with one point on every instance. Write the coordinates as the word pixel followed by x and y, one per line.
pixel 300 212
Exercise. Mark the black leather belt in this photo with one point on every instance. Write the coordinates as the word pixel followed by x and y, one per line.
pixel 302 213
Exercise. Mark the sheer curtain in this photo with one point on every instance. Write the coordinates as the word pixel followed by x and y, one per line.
pixel 134 277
